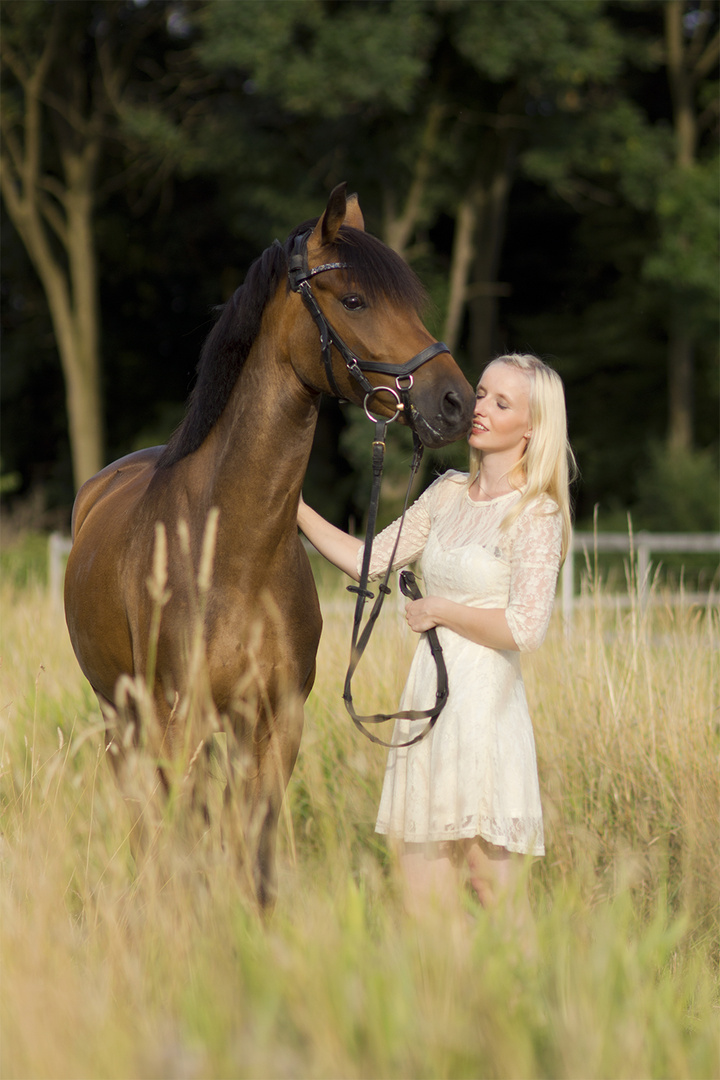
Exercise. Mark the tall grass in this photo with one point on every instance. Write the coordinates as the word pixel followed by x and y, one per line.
pixel 113 971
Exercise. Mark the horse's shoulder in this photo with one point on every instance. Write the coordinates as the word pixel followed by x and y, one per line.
pixel 113 477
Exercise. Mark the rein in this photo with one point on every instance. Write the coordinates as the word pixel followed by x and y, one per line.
pixel 409 588
pixel 299 278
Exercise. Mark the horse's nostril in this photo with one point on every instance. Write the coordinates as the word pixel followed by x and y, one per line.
pixel 452 404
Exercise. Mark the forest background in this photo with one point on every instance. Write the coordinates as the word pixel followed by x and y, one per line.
pixel 548 167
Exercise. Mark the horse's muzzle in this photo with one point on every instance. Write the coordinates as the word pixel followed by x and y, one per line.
pixel 451 420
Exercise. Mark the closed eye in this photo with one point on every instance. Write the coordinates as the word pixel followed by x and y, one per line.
pixel 353 302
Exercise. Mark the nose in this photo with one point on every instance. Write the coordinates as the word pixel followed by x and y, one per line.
pixel 452 407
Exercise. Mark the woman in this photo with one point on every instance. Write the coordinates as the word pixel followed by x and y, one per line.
pixel 491 542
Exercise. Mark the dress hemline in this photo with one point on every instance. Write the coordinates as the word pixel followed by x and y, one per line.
pixel 461 834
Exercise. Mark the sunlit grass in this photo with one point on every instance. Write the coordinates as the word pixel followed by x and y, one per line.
pixel 108 971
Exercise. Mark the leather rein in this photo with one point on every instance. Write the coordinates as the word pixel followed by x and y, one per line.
pixel 299 278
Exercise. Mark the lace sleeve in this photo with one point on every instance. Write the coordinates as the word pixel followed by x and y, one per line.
pixel 413 538
pixel 534 566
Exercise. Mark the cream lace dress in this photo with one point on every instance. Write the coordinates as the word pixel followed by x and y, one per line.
pixel 475 774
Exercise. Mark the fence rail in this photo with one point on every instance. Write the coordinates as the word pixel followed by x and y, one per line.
pixel 639 546
pixel 58 551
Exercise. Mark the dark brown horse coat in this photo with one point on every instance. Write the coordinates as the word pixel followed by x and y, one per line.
pixel 238 461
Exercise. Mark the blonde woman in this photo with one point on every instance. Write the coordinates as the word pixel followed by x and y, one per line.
pixel 491 543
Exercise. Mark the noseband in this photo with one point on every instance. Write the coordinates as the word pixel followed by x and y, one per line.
pixel 299 278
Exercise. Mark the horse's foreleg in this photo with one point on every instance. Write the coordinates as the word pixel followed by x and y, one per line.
pixel 253 801
pixel 139 781
pixel 140 744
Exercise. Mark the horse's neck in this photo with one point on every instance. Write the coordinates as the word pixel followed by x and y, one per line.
pixel 258 452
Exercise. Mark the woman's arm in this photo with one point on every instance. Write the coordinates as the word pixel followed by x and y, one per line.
pixel 337 546
pixel 484 626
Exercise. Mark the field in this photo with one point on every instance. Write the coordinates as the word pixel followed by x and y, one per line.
pixel 111 971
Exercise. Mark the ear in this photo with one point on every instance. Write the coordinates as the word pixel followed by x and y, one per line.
pixel 342 209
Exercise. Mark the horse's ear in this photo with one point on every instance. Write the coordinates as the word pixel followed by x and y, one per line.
pixel 353 213
pixel 342 209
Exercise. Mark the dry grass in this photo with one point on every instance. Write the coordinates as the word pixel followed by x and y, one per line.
pixel 111 971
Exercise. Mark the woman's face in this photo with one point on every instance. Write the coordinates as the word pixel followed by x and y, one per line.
pixel 501 421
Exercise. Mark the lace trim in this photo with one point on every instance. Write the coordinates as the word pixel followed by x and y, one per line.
pixel 524 836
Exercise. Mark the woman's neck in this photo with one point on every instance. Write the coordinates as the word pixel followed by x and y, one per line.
pixel 492 480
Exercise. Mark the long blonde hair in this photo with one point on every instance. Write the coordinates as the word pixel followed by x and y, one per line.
pixel 548 465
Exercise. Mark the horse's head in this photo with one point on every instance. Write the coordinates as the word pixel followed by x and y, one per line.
pixel 374 349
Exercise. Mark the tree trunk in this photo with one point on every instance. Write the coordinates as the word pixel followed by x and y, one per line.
pixel 680 339
pixel 477 246
pixel 81 360
pixel 680 386
pixel 74 308
pixel 483 294
pixel 463 253
pixel 399 228
pixel 46 213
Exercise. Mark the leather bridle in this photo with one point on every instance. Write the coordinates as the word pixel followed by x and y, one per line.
pixel 299 279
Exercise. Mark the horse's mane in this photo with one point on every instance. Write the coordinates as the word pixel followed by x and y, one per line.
pixel 375 269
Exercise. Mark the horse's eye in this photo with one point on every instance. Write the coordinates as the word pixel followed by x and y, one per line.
pixel 353 302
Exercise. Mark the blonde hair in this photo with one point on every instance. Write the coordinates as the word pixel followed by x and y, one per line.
pixel 547 466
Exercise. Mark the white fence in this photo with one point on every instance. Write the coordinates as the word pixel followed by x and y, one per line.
pixel 58 551
pixel 638 546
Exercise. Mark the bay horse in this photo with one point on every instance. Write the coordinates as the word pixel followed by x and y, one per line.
pixel 133 597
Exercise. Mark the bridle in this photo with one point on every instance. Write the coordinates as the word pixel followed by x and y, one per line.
pixel 299 280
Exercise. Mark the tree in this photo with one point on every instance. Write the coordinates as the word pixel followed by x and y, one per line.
pixel 52 206
pixel 651 156
pixel 687 255
pixel 426 105
pixel 69 71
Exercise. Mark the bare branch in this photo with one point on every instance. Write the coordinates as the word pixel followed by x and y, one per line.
pixel 12 146
pixel 67 111
pixel 696 45
pixel 49 211
pixel 53 186
pixel 708 60
pixel 110 75
pixel 399 231
pixel 708 117
pixel 13 61
pixel 33 90
pixel 10 193
pixel 580 194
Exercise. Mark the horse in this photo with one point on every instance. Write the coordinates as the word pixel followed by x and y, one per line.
pixel 202 532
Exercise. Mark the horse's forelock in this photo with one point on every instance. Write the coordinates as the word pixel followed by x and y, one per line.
pixel 378 270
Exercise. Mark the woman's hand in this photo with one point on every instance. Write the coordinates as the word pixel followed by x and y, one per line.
pixel 484 626
pixel 337 546
pixel 424 614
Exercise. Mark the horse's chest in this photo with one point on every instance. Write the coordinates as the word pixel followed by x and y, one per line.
pixel 261 637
